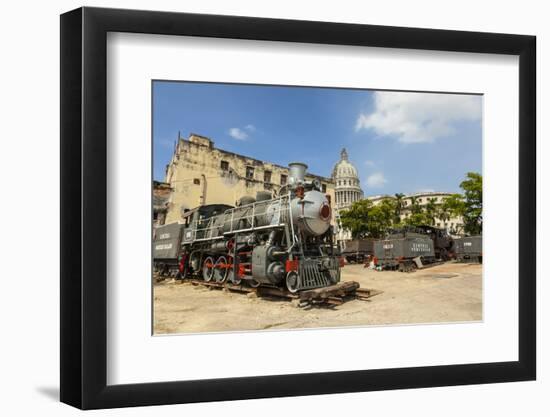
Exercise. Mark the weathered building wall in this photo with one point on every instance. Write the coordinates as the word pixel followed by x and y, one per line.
pixel 161 198
pixel 199 174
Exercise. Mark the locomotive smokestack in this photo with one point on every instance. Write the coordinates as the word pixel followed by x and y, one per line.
pixel 297 173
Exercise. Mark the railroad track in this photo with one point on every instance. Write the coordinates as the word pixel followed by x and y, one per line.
pixel 333 295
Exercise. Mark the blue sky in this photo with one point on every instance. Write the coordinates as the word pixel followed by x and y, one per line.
pixel 399 141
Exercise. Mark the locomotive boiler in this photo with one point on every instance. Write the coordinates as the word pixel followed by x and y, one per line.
pixel 286 241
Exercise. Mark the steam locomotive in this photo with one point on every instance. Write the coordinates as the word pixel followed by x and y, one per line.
pixel 285 241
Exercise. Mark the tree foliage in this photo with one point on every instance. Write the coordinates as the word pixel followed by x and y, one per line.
pixel 355 219
pixel 399 205
pixel 365 219
pixel 473 202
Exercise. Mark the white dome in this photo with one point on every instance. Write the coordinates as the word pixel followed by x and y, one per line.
pixel 346 181
pixel 344 168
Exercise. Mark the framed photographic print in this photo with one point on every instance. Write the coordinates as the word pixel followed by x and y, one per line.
pixel 257 208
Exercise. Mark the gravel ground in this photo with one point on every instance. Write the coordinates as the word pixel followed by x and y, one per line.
pixel 445 293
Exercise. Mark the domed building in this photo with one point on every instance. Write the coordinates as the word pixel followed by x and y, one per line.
pixel 347 189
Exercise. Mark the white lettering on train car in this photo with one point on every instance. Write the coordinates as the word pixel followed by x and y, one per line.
pixel 420 247
pixel 163 246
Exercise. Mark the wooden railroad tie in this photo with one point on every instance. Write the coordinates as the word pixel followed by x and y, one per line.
pixel 333 295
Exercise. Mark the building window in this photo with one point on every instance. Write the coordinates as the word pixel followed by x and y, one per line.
pixel 224 165
pixel 267 176
pixel 249 173
pixel 283 179
pixel 196 181
pixel 324 188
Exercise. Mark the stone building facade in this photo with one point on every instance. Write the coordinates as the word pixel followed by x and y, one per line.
pixel 161 199
pixel 347 190
pixel 199 173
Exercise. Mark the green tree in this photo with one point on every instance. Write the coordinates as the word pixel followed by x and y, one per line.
pixel 416 219
pixel 452 206
pixel 399 204
pixel 355 219
pixel 416 208
pixel 365 219
pixel 431 210
pixel 473 202
pixel 417 214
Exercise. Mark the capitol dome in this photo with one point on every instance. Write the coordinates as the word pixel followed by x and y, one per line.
pixel 344 168
pixel 346 181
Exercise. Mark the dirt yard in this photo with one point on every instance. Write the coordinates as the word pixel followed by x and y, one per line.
pixel 444 293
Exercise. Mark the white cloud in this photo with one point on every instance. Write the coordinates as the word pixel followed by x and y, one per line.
pixel 376 180
pixel 418 117
pixel 250 128
pixel 238 134
pixel 369 163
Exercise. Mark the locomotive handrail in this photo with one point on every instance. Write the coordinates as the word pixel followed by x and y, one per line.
pixel 218 222
pixel 253 209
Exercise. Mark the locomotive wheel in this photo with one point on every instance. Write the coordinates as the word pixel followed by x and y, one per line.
pixel 208 269
pixel 292 281
pixel 231 275
pixel 220 269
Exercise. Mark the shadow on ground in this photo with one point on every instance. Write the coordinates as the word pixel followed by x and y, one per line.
pixel 50 392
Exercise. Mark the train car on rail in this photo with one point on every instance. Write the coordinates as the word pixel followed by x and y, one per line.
pixel 358 250
pixel 399 250
pixel 407 248
pixel 469 249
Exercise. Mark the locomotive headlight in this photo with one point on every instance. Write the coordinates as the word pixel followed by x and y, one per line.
pixel 325 211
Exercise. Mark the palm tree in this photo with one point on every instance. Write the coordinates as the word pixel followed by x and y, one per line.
pixel 443 213
pixel 399 204
pixel 431 208
pixel 415 205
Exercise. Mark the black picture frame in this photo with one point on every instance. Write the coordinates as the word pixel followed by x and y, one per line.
pixel 84 207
